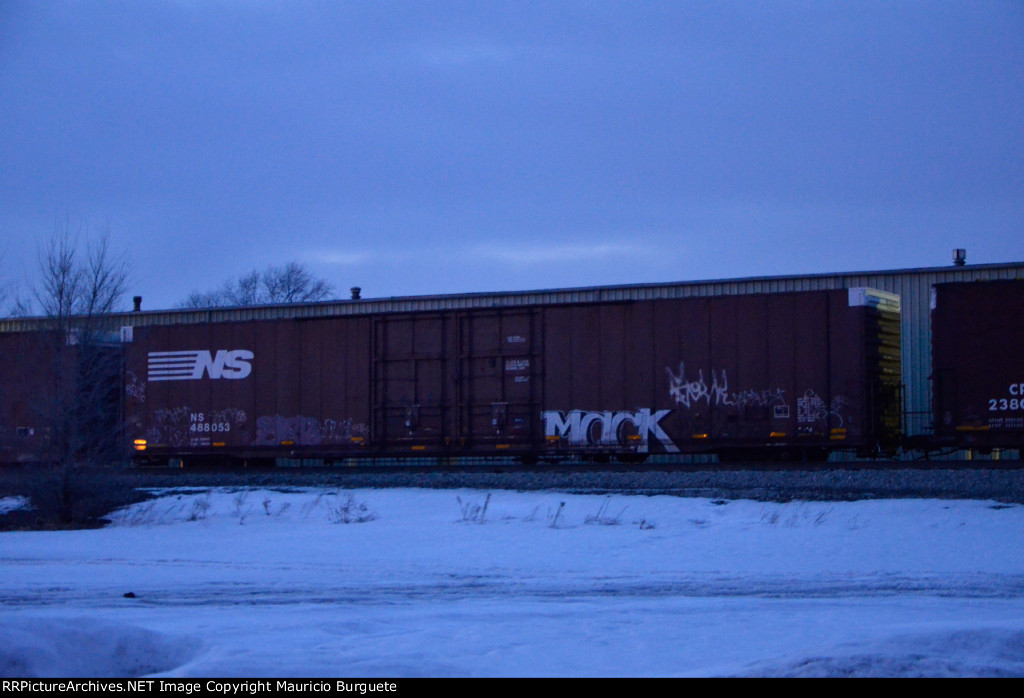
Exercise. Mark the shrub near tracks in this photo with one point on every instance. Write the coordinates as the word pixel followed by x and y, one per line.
pixel 66 496
pixel 82 498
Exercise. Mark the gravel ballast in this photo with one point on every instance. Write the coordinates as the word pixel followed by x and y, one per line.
pixel 1005 485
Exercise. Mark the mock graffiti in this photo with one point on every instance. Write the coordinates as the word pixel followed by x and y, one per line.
pixel 581 428
pixel 690 392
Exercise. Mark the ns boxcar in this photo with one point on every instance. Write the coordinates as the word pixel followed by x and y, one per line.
pixel 60 398
pixel 789 375
pixel 978 364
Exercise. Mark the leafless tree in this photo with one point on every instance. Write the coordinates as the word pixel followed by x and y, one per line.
pixel 247 290
pixel 68 378
pixel 291 283
pixel 77 285
pixel 199 299
pixel 80 284
pixel 60 281
pixel 4 281
pixel 104 279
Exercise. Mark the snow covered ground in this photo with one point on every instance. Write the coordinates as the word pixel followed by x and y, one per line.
pixel 462 583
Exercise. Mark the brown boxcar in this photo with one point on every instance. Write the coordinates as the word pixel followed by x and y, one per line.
pixel 27 396
pixel 59 398
pixel 249 390
pixel 978 364
pixel 789 374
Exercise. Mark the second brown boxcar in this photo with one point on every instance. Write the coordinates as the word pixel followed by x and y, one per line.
pixel 786 375
pixel 978 362
pixel 792 375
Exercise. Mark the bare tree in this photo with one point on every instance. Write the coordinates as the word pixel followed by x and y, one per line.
pixel 79 286
pixel 4 280
pixel 78 283
pixel 60 278
pixel 291 283
pixel 248 290
pixel 200 299
pixel 67 385
pixel 104 279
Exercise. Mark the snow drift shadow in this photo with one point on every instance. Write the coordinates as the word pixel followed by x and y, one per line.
pixel 980 653
pixel 53 647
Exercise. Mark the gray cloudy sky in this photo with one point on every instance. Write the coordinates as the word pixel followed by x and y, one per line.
pixel 436 147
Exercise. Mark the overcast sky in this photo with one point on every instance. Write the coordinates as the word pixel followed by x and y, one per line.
pixel 445 147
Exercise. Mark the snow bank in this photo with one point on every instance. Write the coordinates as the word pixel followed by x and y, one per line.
pixel 79 646
pixel 989 652
pixel 463 583
pixel 8 504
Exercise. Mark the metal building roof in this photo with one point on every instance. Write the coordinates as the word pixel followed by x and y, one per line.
pixel 905 282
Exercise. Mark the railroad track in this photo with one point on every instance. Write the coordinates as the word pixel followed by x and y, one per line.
pixel 998 480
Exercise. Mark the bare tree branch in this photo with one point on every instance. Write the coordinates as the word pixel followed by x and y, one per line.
pixel 61 278
pixel 245 291
pixel 104 279
pixel 76 289
pixel 73 282
pixel 198 299
pixel 4 289
pixel 291 283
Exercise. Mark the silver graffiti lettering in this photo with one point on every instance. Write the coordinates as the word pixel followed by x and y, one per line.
pixel 689 392
pixel 134 388
pixel 306 431
pixel 582 428
pixel 811 409
pixel 759 398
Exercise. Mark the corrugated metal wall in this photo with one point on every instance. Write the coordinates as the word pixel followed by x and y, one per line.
pixel 912 285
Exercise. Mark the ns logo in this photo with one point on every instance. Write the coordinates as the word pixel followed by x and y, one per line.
pixel 194 364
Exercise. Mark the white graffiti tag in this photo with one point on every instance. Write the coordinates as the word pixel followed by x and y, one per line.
pixel 306 431
pixel 759 398
pixel 811 409
pixel 689 392
pixel 581 428
pixel 133 388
